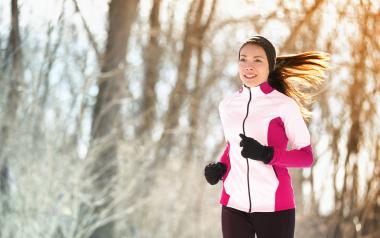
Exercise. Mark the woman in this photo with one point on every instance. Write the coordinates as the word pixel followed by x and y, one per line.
pixel 258 122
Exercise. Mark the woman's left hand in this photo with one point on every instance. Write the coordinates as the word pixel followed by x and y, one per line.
pixel 254 150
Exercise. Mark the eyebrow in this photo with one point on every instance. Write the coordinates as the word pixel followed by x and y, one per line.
pixel 257 56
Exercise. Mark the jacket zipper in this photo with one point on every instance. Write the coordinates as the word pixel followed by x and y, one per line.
pixel 249 190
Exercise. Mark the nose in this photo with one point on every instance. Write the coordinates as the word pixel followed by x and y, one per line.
pixel 249 67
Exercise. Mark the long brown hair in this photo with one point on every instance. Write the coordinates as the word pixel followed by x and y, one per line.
pixel 299 76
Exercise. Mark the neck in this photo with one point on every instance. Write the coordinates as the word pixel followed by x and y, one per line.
pixel 255 85
pixel 263 87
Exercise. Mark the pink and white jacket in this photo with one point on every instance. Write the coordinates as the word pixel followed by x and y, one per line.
pixel 273 119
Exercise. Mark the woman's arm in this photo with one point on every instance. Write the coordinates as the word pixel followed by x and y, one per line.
pixel 301 155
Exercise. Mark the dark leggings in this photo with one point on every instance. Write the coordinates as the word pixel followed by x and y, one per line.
pixel 239 224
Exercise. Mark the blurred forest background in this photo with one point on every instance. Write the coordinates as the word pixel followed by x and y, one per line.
pixel 109 113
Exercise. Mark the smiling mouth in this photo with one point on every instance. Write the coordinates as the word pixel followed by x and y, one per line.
pixel 250 76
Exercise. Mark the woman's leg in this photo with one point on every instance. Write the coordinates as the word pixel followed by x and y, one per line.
pixel 278 224
pixel 235 224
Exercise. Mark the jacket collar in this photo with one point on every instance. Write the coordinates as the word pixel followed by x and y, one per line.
pixel 261 89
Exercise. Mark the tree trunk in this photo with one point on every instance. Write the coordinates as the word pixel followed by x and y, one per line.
pixel 14 70
pixel 15 74
pixel 193 36
pixel 106 113
pixel 152 58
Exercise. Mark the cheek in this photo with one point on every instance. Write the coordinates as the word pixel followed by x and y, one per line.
pixel 241 69
pixel 264 69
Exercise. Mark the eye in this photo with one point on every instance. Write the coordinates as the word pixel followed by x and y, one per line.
pixel 257 60
pixel 242 59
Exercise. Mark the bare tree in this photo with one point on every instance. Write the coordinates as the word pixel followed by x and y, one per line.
pixel 106 114
pixel 15 75
pixel 152 57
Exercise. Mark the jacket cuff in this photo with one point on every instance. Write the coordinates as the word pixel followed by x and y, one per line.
pixel 269 153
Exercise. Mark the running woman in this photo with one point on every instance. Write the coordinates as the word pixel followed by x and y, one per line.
pixel 260 121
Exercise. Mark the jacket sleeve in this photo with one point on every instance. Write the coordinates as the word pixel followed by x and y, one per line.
pixel 300 155
pixel 225 159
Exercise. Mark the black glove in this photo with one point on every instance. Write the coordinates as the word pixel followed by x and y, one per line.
pixel 254 150
pixel 215 172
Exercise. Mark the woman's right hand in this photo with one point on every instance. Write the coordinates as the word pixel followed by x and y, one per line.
pixel 215 172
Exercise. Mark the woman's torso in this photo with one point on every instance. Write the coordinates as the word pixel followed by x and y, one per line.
pixel 251 185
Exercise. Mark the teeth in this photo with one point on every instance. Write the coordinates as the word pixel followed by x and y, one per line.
pixel 250 75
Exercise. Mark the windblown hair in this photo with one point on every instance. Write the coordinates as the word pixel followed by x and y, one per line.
pixel 299 76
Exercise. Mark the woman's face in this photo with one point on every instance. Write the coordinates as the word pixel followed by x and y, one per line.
pixel 253 65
